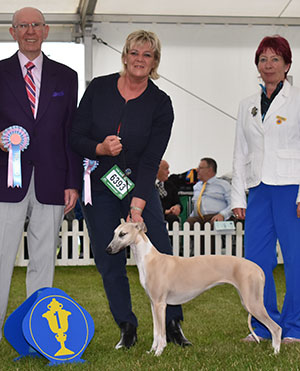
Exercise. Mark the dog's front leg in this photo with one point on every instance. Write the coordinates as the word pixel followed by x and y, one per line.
pixel 159 327
pixel 155 329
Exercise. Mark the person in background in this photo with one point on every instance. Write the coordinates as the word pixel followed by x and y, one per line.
pixel 50 170
pixel 211 199
pixel 124 120
pixel 168 194
pixel 267 162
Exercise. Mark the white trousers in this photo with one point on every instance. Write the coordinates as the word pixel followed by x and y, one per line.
pixel 42 238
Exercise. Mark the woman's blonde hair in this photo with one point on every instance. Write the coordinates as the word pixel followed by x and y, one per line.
pixel 142 37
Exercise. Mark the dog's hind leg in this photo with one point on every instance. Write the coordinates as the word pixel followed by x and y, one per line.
pixel 262 315
pixel 253 301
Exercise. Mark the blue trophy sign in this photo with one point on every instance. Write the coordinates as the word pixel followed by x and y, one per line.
pixel 55 326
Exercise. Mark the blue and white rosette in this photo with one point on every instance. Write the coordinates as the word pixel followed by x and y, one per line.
pixel 15 139
pixel 89 166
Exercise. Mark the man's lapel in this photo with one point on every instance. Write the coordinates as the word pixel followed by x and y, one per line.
pixel 48 82
pixel 15 82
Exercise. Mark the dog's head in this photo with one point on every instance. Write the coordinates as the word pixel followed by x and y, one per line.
pixel 125 235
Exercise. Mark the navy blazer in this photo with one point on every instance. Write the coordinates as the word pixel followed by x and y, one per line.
pixel 56 167
pixel 144 125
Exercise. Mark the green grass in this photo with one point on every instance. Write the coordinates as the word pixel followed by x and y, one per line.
pixel 214 322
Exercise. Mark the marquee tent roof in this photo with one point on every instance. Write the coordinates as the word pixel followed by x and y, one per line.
pixel 72 18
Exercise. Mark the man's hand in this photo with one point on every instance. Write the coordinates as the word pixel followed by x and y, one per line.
pixel 71 196
pixel 175 210
pixel 217 218
pixel 1 143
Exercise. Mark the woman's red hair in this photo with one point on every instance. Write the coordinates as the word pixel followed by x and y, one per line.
pixel 278 44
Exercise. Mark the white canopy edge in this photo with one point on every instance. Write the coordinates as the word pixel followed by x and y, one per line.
pixel 67 27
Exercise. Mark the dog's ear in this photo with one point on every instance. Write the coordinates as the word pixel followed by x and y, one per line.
pixel 123 221
pixel 141 227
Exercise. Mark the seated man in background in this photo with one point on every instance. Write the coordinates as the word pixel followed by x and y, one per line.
pixel 211 199
pixel 168 194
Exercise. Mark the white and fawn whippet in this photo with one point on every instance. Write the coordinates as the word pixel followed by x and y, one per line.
pixel 175 280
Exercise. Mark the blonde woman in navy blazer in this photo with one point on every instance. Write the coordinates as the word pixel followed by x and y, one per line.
pixel 267 162
pixel 124 119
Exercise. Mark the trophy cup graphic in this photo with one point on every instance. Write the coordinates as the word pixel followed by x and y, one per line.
pixel 30 329
pixel 58 322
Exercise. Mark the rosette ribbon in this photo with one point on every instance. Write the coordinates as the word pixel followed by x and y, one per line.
pixel 89 166
pixel 15 139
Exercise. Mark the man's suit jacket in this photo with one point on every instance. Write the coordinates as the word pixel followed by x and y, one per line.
pixel 172 198
pixel 56 167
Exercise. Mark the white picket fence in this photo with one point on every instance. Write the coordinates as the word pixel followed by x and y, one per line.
pixel 74 244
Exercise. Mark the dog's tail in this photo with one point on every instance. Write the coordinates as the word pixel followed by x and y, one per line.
pixel 251 328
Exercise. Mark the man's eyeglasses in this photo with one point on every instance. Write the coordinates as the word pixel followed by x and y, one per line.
pixel 25 26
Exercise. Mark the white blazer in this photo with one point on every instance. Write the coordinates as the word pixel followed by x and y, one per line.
pixel 268 151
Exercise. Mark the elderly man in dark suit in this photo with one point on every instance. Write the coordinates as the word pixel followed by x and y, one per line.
pixel 40 96
pixel 168 194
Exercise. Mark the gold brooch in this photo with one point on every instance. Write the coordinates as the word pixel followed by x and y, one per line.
pixel 280 119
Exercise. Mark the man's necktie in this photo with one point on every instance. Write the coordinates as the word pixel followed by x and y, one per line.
pixel 30 85
pixel 161 189
pixel 199 199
